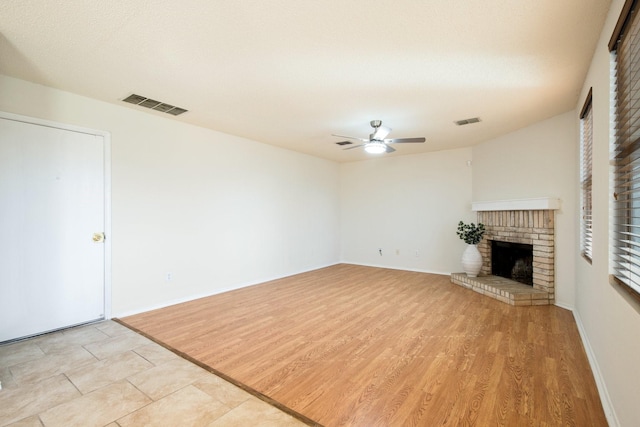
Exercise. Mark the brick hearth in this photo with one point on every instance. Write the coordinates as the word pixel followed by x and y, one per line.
pixel 502 289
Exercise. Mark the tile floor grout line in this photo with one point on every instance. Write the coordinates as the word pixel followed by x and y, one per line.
pixel 227 378
pixel 73 384
pixel 58 345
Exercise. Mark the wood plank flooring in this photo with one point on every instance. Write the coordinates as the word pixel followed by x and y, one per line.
pixel 360 346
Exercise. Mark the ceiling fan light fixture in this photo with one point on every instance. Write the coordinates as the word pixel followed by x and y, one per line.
pixel 375 147
pixel 377 143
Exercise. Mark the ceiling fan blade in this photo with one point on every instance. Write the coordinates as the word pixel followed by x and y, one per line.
pixel 403 140
pixel 351 148
pixel 390 149
pixel 350 137
pixel 381 133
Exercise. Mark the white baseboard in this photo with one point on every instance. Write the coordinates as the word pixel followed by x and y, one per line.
pixel 216 292
pixel 607 405
pixel 416 270
pixel 562 305
pixel 243 285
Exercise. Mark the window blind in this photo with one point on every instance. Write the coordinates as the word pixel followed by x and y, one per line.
pixel 625 155
pixel 586 142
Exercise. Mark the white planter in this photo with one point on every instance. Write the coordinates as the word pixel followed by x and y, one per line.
pixel 472 261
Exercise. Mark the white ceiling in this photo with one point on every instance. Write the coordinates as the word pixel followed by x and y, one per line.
pixel 292 72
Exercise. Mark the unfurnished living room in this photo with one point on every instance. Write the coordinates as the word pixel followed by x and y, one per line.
pixel 338 213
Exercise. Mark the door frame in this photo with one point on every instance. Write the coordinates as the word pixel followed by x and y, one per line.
pixel 106 137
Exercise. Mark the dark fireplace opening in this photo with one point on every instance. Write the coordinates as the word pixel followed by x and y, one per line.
pixel 513 261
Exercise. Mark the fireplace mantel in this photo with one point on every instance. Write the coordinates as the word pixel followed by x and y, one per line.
pixel 538 204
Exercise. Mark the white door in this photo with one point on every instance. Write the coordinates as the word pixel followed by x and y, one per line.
pixel 51 204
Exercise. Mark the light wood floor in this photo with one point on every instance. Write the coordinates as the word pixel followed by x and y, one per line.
pixel 359 346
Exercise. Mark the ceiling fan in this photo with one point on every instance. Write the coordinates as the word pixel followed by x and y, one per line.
pixel 377 143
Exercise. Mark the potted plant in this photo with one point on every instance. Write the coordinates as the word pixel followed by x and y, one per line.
pixel 471 258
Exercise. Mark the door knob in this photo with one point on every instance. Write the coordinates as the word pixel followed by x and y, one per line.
pixel 98 237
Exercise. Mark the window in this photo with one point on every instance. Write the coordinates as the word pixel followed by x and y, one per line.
pixel 586 144
pixel 625 154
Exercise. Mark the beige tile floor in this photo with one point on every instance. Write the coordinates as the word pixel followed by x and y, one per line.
pixel 104 374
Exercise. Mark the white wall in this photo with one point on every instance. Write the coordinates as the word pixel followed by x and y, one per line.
pixel 537 161
pixel 220 211
pixel 609 318
pixel 406 204
pixel 217 211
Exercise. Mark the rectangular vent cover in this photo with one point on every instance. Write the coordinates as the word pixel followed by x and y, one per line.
pixel 154 105
pixel 467 121
pixel 344 143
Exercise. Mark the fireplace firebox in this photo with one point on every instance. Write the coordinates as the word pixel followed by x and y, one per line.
pixel 513 261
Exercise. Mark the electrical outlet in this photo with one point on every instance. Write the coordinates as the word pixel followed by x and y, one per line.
pixel 417 253
pixel 169 277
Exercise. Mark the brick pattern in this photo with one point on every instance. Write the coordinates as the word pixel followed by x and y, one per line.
pixel 502 289
pixel 525 226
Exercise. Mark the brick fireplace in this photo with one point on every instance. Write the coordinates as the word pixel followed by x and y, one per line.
pixel 529 222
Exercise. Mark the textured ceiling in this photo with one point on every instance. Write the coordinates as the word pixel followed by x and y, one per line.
pixel 292 72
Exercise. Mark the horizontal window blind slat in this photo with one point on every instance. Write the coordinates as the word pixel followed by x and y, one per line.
pixel 631 280
pixel 625 152
pixel 586 172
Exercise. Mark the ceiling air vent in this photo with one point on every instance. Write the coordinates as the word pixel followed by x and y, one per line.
pixel 467 121
pixel 344 143
pixel 154 105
